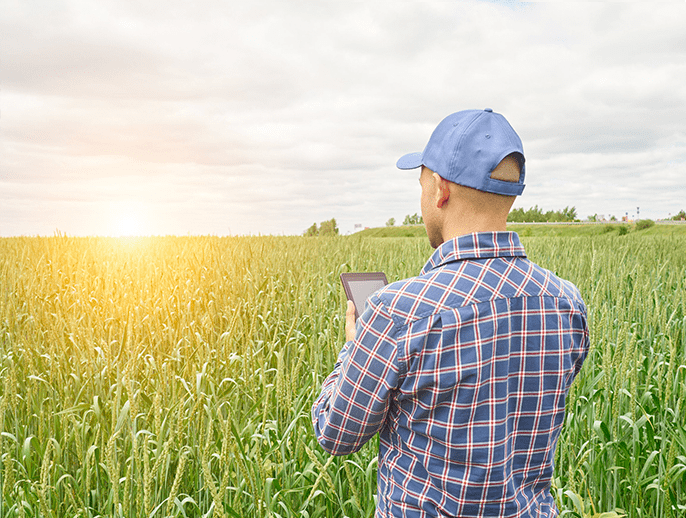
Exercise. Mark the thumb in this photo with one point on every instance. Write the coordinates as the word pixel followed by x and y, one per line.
pixel 350 310
pixel 350 322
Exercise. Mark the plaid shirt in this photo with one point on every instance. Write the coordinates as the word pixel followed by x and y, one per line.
pixel 464 371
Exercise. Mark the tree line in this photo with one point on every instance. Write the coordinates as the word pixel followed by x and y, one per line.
pixel 536 215
pixel 533 215
pixel 414 219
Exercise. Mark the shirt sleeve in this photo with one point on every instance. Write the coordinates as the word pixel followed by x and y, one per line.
pixel 585 341
pixel 355 397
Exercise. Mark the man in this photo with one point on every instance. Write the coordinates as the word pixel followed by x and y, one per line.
pixel 464 369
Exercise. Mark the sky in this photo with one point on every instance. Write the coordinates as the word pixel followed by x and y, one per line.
pixel 231 118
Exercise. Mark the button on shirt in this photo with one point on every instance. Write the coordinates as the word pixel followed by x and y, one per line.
pixel 463 371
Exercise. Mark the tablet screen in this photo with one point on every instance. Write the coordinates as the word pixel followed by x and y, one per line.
pixel 359 286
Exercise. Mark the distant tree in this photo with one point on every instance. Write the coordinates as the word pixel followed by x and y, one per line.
pixel 415 219
pixel 535 214
pixel 613 218
pixel 569 213
pixel 680 216
pixel 516 215
pixel 328 228
pixel 312 231
pixel 390 222
pixel 593 218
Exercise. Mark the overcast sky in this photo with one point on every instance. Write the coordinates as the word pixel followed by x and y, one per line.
pixel 262 117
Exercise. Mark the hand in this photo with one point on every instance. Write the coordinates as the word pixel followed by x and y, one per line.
pixel 350 322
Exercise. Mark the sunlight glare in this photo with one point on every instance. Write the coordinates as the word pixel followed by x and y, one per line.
pixel 127 219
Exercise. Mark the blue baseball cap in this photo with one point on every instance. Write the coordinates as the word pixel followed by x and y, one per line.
pixel 466 147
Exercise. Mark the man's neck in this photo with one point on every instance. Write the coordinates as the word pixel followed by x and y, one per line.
pixel 467 225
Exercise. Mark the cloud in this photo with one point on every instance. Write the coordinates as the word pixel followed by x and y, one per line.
pixel 263 117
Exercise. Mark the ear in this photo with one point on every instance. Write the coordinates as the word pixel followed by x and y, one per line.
pixel 442 190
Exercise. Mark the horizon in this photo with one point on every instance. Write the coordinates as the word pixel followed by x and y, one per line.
pixel 601 220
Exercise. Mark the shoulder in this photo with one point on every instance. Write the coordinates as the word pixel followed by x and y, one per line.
pixel 418 297
pixel 467 282
pixel 548 283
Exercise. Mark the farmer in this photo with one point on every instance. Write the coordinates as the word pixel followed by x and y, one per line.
pixel 464 369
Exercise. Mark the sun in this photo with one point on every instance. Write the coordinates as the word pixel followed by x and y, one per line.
pixel 127 219
pixel 128 225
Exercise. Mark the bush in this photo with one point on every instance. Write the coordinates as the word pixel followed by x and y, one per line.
pixel 608 228
pixel 623 229
pixel 643 224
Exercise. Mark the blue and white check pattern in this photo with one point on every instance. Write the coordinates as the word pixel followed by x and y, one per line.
pixel 464 371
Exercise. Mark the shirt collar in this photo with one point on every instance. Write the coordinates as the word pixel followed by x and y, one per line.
pixel 479 245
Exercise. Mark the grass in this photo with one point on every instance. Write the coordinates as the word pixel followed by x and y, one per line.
pixel 174 376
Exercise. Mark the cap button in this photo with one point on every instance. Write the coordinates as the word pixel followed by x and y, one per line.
pixel 489 110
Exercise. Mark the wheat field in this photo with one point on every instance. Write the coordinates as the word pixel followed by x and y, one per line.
pixel 174 376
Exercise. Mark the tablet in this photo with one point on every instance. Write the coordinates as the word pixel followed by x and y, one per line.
pixel 359 286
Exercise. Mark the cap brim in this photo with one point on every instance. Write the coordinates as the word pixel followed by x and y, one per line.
pixel 409 161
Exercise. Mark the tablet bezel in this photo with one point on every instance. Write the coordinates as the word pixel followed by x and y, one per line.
pixel 348 277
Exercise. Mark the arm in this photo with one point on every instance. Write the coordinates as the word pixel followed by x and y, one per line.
pixel 355 397
pixel 585 341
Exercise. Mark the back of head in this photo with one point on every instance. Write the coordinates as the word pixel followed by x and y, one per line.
pixel 467 146
pixel 477 159
pixel 482 202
